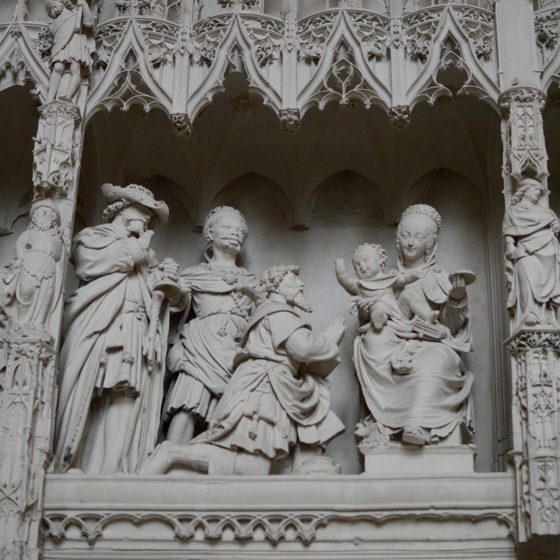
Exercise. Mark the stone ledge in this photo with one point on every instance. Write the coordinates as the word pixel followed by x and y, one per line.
pixel 240 518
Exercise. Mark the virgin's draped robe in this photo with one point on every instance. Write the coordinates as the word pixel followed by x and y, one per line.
pixel 101 360
pixel 535 277
pixel 435 395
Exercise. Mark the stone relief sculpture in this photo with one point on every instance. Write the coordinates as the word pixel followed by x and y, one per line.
pixel 112 383
pixel 31 283
pixel 277 398
pixel 532 257
pixel 73 45
pixel 201 359
pixel 406 355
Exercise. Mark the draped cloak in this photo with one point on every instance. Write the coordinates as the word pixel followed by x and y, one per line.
pixel 436 394
pixel 202 356
pixel 535 277
pixel 106 323
pixel 70 44
pixel 275 397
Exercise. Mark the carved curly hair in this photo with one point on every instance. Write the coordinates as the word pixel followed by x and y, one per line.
pixel 434 216
pixel 381 252
pixel 214 217
pixel 523 186
pixel 113 209
pixel 271 278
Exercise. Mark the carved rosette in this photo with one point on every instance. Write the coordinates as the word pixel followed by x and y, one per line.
pixel 399 117
pixel 26 420
pixel 524 143
pixel 536 430
pixel 54 152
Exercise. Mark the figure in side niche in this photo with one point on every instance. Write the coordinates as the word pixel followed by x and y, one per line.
pixel 200 361
pixel 32 282
pixel 412 377
pixel 112 360
pixel 72 49
pixel 532 257
pixel 277 404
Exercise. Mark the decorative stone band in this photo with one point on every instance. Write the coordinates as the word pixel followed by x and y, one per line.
pixel 256 517
pixel 276 526
pixel 529 339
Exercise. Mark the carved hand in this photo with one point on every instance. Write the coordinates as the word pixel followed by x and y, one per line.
pixel 171 270
pixel 555 226
pixel 335 330
pixel 339 265
pixel 145 239
pixel 458 288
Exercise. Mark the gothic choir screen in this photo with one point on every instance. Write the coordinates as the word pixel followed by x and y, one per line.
pixel 279 279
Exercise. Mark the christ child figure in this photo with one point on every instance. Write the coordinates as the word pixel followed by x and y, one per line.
pixel 373 288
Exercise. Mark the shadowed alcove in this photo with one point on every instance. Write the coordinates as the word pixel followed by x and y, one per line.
pixel 343 180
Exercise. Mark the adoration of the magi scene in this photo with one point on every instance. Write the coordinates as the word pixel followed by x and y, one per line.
pixel 279 279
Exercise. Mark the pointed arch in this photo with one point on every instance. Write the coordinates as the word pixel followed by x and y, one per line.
pixel 478 83
pixel 128 73
pixel 235 37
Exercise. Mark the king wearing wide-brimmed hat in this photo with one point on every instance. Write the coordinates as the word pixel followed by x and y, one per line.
pixel 111 391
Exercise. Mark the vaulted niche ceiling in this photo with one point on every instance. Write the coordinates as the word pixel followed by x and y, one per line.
pixel 343 180
pixel 18 126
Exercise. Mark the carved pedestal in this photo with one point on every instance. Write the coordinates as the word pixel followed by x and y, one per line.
pixel 55 152
pixel 536 428
pixel 26 418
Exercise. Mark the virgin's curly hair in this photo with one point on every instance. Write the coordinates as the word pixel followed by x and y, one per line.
pixel 429 212
pixel 271 278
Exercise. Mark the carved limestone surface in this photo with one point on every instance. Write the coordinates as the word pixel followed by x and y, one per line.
pixel 32 282
pixel 112 359
pixel 55 150
pixel 524 143
pixel 536 429
pixel 532 257
pixel 26 415
pixel 271 404
pixel 72 48
pixel 413 319
pixel 201 360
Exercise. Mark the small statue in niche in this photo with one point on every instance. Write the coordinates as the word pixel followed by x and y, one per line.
pixel 201 359
pixel 112 360
pixel 72 49
pixel 373 289
pixel 532 257
pixel 277 398
pixel 412 378
pixel 32 281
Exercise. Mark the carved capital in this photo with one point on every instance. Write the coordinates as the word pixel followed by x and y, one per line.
pixel 534 339
pixel 60 109
pixel 399 117
pixel 291 120
pixel 181 124
pixel 519 95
